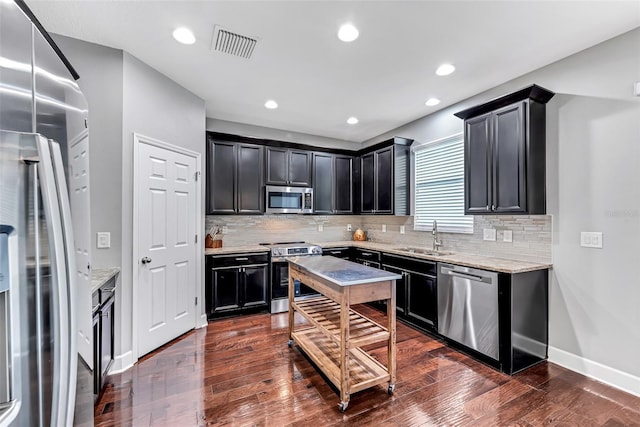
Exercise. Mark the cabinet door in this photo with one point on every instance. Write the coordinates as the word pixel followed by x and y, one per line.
pixel 401 289
pixel 384 181
pixel 250 181
pixel 343 197
pixel 323 183
pixel 221 177
pixel 477 153
pixel 367 187
pixel 225 289
pixel 277 166
pixel 421 299
pixel 255 286
pixel 509 174
pixel 300 168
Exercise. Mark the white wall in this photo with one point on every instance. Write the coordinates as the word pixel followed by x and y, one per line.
pixel 593 184
pixel 126 96
pixel 156 107
pixel 252 131
pixel 100 70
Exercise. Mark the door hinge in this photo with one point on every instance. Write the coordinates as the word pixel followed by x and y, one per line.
pixel 197 174
pixel 196 300
pixel 196 238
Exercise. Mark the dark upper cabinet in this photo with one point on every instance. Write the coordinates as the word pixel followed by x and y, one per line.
pixel 504 151
pixel 344 179
pixel 367 183
pixel 385 179
pixel 332 183
pixel 234 178
pixel 323 185
pixel 288 167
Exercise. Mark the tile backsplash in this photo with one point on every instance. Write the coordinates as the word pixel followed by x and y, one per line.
pixel 531 234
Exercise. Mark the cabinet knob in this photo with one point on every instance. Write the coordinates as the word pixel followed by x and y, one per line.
pixel 493 207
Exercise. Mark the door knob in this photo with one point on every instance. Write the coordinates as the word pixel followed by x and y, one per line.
pixel 145 260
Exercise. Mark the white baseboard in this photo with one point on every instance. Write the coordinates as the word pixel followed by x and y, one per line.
pixel 203 322
pixel 606 374
pixel 122 362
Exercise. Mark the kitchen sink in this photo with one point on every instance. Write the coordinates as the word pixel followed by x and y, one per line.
pixel 423 251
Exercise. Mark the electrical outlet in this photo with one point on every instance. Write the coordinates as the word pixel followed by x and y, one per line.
pixel 348 227
pixel 320 227
pixel 384 228
pixel 489 234
pixel 591 239
pixel 402 229
pixel 103 240
pixel 507 236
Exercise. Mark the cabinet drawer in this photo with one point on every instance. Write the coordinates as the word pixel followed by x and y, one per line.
pixel 336 252
pixel 237 259
pixel 410 264
pixel 366 255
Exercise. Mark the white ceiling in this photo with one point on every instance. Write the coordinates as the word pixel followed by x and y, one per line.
pixel 383 78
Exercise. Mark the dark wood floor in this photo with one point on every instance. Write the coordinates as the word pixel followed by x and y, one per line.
pixel 241 372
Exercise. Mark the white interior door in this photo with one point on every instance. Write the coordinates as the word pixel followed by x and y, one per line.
pixel 166 230
pixel 80 201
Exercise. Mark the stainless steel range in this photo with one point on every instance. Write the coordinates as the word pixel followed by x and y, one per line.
pixel 280 272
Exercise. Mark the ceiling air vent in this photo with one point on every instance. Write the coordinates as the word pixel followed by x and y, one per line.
pixel 226 41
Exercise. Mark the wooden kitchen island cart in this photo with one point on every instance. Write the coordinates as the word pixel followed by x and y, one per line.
pixel 334 334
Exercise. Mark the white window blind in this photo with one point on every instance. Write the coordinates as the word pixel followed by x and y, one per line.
pixel 439 181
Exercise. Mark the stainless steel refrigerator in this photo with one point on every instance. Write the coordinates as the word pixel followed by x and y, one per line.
pixel 45 318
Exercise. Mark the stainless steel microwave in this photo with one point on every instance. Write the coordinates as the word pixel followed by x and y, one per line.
pixel 288 200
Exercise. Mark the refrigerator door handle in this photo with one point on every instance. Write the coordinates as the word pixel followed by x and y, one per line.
pixel 60 307
pixel 69 287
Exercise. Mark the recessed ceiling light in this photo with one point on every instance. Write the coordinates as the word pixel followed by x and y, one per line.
pixel 445 69
pixel 348 33
pixel 431 102
pixel 352 120
pixel 271 104
pixel 184 35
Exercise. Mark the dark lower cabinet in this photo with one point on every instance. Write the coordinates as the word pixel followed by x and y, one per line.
pixel 103 333
pixel 236 284
pixel 338 252
pixel 416 292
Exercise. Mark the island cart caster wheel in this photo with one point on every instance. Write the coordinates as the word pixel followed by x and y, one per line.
pixel 391 388
pixel 290 343
pixel 343 406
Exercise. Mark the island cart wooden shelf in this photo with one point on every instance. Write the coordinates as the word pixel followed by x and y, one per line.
pixel 335 333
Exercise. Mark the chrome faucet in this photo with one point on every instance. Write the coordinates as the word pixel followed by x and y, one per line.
pixel 434 230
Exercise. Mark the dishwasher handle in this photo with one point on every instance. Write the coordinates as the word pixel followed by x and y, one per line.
pixel 466 275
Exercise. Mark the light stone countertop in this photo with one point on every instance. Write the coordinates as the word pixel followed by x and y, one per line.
pixel 100 276
pixel 501 265
pixel 235 250
pixel 342 272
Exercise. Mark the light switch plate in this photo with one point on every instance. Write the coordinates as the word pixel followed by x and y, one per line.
pixel 507 236
pixel 348 227
pixel 489 234
pixel 103 240
pixel 636 88
pixel 402 229
pixel 384 228
pixel 591 239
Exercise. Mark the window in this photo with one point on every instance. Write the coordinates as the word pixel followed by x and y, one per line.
pixel 439 186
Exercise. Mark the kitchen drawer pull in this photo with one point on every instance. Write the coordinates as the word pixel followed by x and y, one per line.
pixel 367 254
pixel 105 314
pixel 242 259
pixel 335 252
pixel 111 290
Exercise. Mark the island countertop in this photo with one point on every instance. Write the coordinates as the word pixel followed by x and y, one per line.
pixel 342 272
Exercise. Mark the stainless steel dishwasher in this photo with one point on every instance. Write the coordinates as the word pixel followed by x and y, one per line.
pixel 468 307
